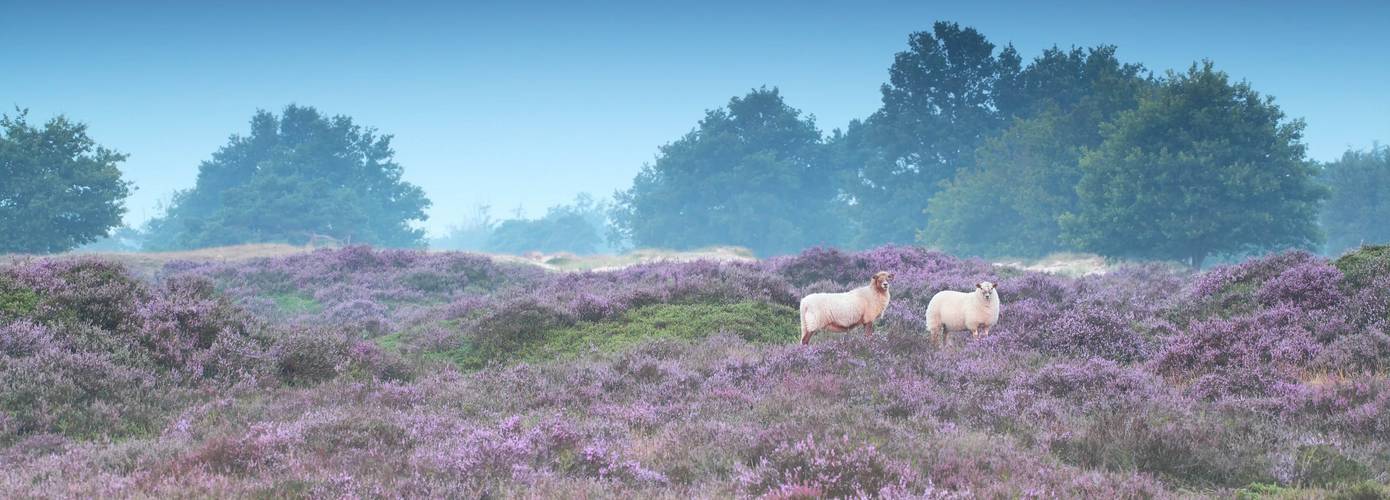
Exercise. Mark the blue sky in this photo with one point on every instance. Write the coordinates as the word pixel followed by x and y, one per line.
pixel 528 103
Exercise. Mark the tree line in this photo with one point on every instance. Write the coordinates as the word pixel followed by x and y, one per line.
pixel 977 153
pixel 972 150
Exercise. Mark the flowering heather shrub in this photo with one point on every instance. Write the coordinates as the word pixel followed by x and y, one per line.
pixel 917 273
pixel 1367 352
pixel 181 326
pixel 366 317
pixel 364 289
pixel 1083 331
pixel 1095 382
pixel 1298 278
pixel 364 373
pixel 371 360
pixel 836 469
pixel 1273 339
pixel 1169 440
pixel 94 292
pixel 86 395
pixel 95 352
pixel 1312 284
pixel 602 461
pixel 1360 405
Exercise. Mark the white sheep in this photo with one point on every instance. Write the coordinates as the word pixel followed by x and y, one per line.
pixel 952 311
pixel 839 312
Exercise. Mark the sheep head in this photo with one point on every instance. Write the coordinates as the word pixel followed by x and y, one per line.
pixel 985 288
pixel 881 280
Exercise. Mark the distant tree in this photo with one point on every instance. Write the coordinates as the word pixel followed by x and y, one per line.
pixel 122 239
pixel 567 232
pixel 576 228
pixel 1025 178
pixel 58 188
pixel 752 174
pixel 1359 207
pixel 943 99
pixel 597 213
pixel 1201 168
pixel 294 176
pixel 471 234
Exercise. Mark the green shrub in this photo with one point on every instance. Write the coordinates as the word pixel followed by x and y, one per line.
pixel 296 303
pixel 756 322
pixel 307 358
pixel 16 300
pixel 538 333
pixel 1173 445
pixel 355 433
pixel 1257 491
pixel 1364 490
pixel 432 282
pixel 1362 266
pixel 1322 465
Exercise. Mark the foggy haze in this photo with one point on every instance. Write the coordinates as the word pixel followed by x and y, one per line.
pixel 527 105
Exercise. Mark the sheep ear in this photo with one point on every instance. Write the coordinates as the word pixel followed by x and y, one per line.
pixel 977 285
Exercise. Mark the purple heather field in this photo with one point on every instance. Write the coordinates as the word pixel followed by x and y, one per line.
pixel 364 373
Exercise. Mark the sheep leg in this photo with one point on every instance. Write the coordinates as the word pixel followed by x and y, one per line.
pixel 806 335
pixel 975 333
pixel 869 329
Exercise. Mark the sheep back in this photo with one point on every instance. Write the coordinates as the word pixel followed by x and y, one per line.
pixel 958 311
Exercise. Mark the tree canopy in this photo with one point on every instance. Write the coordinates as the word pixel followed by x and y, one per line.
pixel 943 99
pixel 1024 178
pixel 1359 207
pixel 751 174
pixel 295 176
pixel 1202 167
pixel 58 188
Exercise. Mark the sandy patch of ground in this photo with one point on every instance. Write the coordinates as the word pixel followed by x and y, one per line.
pixel 1062 264
pixel 149 263
pixel 571 262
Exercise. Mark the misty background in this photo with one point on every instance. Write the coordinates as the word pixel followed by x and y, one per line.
pixel 520 122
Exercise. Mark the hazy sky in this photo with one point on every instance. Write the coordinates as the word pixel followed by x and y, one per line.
pixel 512 103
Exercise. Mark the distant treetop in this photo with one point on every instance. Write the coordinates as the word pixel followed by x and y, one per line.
pixel 295 176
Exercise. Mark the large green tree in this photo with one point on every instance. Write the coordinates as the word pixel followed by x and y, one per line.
pixel 296 175
pixel 58 188
pixel 946 94
pixel 1359 208
pixel 752 174
pixel 1025 178
pixel 1202 167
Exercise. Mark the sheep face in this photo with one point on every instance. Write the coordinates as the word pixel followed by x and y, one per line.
pixel 881 280
pixel 985 288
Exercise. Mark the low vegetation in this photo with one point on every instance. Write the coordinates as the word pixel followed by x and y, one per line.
pixel 420 374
